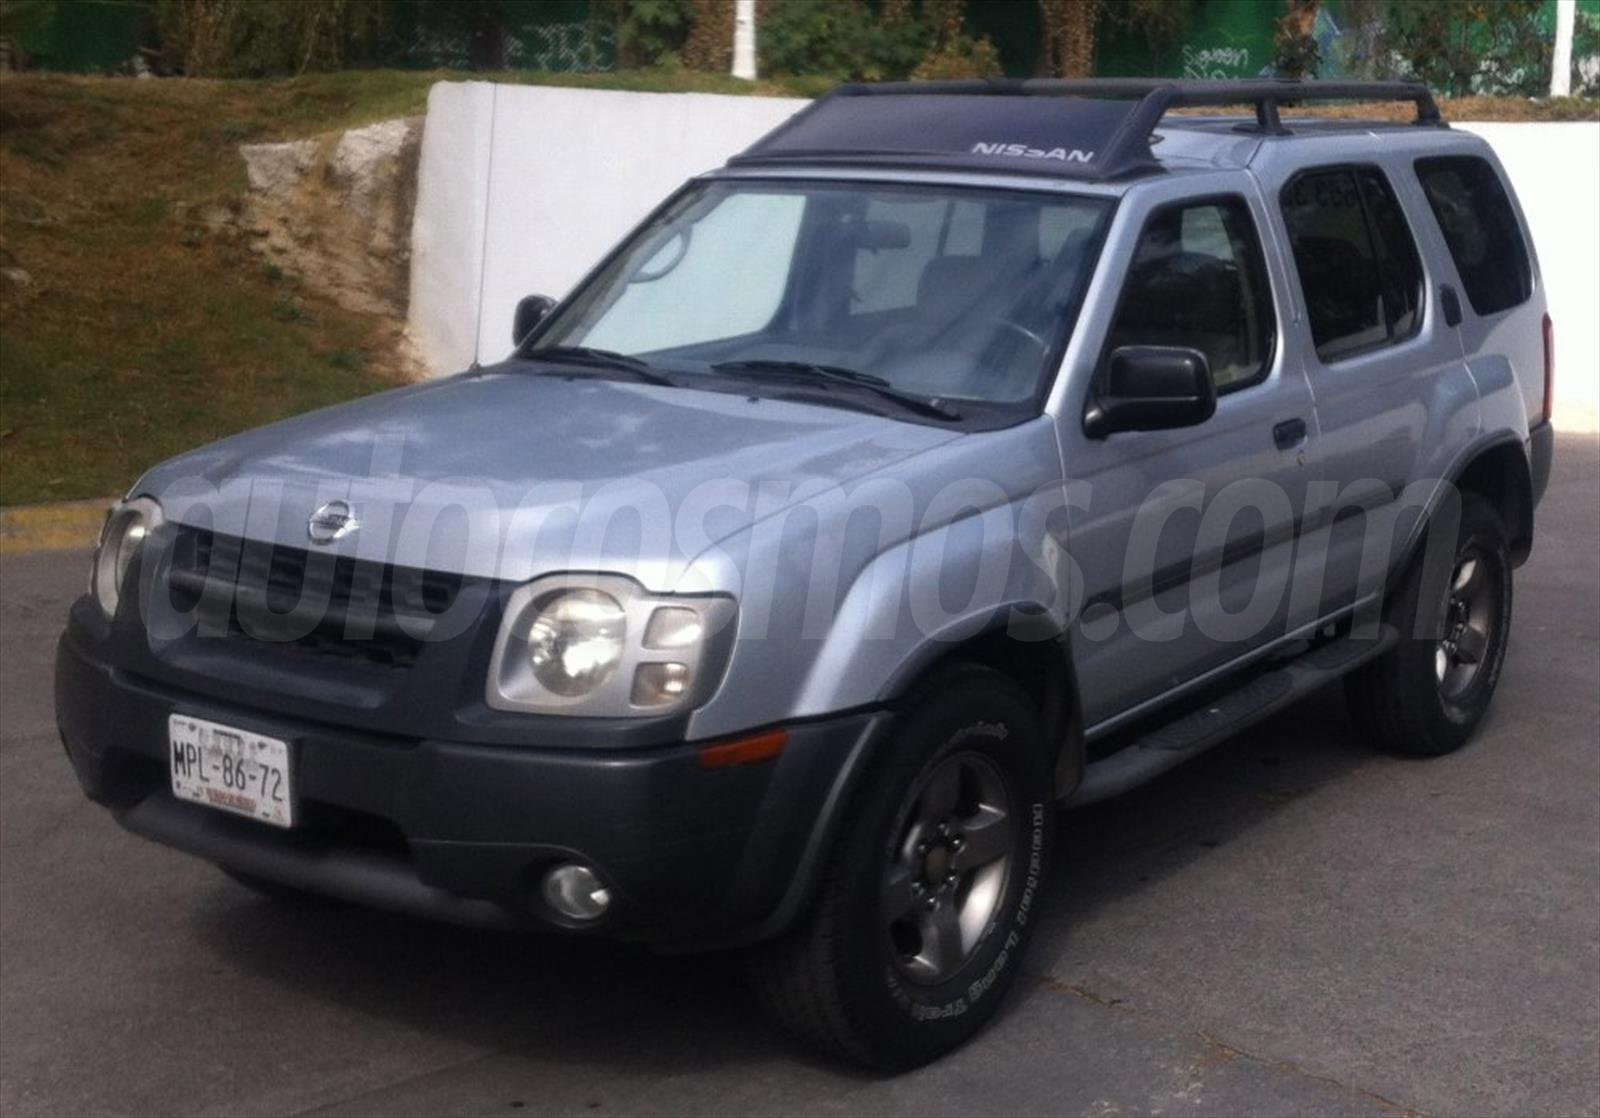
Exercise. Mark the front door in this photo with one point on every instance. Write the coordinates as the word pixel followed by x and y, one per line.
pixel 1185 538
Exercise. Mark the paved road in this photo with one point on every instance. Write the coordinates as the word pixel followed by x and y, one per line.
pixel 1290 925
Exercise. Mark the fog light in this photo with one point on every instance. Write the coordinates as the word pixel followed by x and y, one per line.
pixel 576 892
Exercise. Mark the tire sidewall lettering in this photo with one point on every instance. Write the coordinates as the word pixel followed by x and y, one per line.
pixel 1023 890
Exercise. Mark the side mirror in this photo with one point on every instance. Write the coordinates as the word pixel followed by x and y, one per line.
pixel 531 310
pixel 1152 388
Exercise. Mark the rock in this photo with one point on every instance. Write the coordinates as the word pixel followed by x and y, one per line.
pixel 274 168
pixel 18 277
pixel 363 160
pixel 335 211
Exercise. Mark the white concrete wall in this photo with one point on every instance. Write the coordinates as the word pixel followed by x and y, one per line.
pixel 547 180
pixel 559 176
pixel 1555 169
pixel 447 228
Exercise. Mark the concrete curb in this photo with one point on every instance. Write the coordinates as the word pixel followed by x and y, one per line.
pixel 63 526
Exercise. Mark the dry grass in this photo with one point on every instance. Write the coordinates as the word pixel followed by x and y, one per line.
pixel 1462 109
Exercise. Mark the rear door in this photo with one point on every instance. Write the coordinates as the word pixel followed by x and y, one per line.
pixel 1383 359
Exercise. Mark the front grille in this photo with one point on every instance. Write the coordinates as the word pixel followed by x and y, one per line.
pixel 309 602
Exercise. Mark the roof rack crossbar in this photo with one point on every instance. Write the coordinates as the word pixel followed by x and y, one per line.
pixel 1174 94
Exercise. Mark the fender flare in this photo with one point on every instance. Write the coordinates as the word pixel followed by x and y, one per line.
pixel 1521 533
pixel 1000 623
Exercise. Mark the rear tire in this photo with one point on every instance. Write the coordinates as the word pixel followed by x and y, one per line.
pixel 933 887
pixel 1426 696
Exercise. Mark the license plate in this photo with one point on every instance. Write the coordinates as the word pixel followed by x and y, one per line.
pixel 231 769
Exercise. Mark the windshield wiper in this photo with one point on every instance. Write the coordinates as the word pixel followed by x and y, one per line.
pixel 836 374
pixel 600 359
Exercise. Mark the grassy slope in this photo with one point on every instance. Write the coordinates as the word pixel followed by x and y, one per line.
pixel 143 334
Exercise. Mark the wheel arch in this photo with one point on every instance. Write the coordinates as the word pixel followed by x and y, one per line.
pixel 1030 647
pixel 1027 645
pixel 1500 474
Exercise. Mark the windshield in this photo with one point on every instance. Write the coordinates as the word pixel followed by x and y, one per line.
pixel 944 293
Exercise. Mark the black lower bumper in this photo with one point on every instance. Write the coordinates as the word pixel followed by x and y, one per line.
pixel 1541 455
pixel 465 831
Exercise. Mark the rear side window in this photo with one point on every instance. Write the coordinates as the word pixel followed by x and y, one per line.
pixel 1481 229
pixel 1197 280
pixel 1356 257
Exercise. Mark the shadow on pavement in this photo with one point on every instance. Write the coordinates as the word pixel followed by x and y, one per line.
pixel 597 1003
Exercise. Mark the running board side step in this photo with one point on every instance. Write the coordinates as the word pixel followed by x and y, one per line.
pixel 1191 734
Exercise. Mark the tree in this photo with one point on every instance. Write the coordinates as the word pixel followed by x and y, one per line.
pixel 1474 46
pixel 251 39
pixel 1069 27
pixel 954 53
pixel 1294 42
pixel 710 43
pixel 648 32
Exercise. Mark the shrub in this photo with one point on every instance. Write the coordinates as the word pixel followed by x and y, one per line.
pixel 841 39
pixel 1295 53
pixel 648 32
pixel 1478 46
pixel 961 57
pixel 1586 54
pixel 254 39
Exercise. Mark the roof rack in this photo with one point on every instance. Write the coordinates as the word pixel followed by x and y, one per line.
pixel 1096 128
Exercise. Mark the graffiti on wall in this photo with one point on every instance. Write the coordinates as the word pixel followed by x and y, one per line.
pixel 1201 62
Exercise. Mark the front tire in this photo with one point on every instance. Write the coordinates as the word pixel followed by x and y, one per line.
pixel 1426 697
pixel 932 889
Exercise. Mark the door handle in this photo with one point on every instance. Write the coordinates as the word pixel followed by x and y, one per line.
pixel 1289 433
pixel 1450 303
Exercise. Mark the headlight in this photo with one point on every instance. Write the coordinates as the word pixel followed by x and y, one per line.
pixel 127 526
pixel 601 646
pixel 575 642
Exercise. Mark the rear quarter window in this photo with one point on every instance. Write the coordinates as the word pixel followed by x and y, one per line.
pixel 1480 227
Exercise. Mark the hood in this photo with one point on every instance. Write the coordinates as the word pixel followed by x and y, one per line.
pixel 502 473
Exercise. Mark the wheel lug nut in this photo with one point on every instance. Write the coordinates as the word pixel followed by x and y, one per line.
pixel 931 903
pixel 922 848
pixel 950 878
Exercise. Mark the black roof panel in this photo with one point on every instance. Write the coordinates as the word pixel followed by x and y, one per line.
pixel 1093 129
pixel 1066 136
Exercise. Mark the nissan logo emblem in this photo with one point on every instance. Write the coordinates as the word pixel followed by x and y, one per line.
pixel 333 521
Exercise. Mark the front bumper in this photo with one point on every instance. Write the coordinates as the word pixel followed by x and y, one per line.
pixel 463 831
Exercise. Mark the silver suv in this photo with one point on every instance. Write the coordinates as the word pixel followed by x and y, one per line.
pixel 956 452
